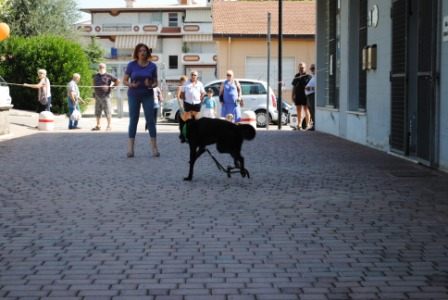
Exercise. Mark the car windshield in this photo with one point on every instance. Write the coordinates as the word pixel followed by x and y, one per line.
pixel 214 87
pixel 247 87
pixel 252 88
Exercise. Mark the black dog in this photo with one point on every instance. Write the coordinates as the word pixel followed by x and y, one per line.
pixel 227 136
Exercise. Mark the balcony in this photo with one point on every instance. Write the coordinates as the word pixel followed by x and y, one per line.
pixel 199 59
pixel 154 29
pixel 118 29
pixel 197 28
pixel 187 59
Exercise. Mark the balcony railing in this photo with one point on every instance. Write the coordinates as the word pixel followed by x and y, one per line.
pixel 186 58
pixel 124 29
pixel 128 28
pixel 199 58
pixel 117 27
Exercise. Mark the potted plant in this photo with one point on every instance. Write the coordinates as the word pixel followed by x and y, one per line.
pixel 185 48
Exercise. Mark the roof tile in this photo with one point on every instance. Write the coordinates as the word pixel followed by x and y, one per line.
pixel 250 18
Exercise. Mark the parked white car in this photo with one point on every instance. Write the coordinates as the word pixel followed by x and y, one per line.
pixel 254 96
pixel 285 112
pixel 293 119
pixel 5 98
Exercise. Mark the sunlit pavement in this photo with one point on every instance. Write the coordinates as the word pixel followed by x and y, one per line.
pixel 320 218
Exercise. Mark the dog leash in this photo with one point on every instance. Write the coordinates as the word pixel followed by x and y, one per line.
pixel 229 169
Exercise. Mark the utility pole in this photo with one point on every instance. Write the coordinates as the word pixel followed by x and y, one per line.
pixel 269 70
pixel 280 79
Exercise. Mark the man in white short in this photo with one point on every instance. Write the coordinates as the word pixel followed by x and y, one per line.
pixel 192 93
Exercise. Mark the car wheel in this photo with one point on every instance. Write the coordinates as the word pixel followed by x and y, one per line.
pixel 177 117
pixel 285 117
pixel 292 121
pixel 261 118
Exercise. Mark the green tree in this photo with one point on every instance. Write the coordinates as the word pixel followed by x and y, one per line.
pixel 94 51
pixel 61 58
pixel 28 18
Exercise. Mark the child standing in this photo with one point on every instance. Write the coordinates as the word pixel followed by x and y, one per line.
pixel 210 105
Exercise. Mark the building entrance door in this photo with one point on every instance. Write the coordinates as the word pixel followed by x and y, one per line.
pixel 413 78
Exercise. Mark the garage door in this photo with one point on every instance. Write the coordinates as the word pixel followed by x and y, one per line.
pixel 256 68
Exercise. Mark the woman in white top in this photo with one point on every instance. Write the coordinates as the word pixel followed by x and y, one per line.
pixel 44 90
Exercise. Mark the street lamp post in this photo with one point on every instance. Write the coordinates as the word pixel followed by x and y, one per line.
pixel 280 79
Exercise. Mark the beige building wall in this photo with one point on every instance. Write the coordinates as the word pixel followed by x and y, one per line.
pixel 233 52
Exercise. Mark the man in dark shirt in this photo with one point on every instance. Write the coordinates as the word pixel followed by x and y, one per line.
pixel 299 97
pixel 103 83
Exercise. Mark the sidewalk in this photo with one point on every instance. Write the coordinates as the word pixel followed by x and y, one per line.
pixel 23 123
pixel 320 218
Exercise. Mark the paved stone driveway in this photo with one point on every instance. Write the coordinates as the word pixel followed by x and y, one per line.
pixel 321 218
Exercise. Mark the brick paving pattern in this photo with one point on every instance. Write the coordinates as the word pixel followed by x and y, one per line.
pixel 321 218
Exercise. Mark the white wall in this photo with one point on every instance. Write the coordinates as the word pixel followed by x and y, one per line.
pixel 357 127
pixel 172 47
pixel 120 19
pixel 378 84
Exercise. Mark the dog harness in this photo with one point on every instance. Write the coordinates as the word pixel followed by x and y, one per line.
pixel 184 131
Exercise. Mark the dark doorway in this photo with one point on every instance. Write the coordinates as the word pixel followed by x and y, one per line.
pixel 413 78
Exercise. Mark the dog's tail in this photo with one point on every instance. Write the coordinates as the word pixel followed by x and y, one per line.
pixel 247 131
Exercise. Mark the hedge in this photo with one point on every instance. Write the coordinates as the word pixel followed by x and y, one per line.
pixel 21 58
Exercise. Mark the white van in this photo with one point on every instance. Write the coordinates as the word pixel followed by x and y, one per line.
pixel 254 96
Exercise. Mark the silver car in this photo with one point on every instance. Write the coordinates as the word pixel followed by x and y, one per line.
pixel 254 96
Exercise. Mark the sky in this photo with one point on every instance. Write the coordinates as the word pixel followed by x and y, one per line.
pixel 121 3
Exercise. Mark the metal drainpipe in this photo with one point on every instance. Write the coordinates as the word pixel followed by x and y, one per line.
pixel 437 95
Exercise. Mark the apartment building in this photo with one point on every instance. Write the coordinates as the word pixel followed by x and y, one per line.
pixel 180 35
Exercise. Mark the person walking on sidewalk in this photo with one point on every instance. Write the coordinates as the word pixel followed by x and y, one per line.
pixel 310 92
pixel 104 83
pixel 73 99
pixel 141 78
pixel 158 100
pixel 44 91
pixel 298 95
pixel 182 80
